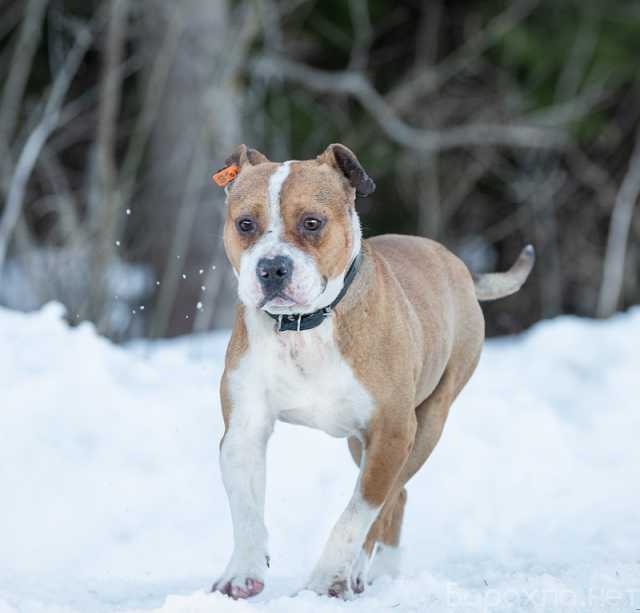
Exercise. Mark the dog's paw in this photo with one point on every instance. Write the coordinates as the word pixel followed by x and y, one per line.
pixel 241 581
pixel 340 588
pixel 334 587
pixel 238 587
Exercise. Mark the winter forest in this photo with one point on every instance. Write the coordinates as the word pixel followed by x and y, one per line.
pixel 484 124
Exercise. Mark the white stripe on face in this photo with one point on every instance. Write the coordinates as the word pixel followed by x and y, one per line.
pixel 276 181
pixel 270 243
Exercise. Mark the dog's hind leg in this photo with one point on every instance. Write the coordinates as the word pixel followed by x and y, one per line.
pixel 380 554
pixel 387 448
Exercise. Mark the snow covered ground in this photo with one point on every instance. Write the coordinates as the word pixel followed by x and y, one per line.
pixel 111 498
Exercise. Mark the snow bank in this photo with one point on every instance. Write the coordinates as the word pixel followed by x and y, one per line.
pixel 112 499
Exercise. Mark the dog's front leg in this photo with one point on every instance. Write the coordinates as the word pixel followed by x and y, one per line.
pixel 242 463
pixel 386 451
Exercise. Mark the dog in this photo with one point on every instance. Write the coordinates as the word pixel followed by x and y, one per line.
pixel 370 340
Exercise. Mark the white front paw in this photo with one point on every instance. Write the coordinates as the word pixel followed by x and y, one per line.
pixel 243 577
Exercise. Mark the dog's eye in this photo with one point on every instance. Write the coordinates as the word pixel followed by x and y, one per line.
pixel 246 225
pixel 312 224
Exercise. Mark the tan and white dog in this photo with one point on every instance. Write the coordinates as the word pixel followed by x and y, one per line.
pixel 368 340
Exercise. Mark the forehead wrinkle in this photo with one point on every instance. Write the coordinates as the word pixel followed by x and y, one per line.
pixel 322 196
pixel 313 184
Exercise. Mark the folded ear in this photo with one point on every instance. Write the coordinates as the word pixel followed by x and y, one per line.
pixel 244 155
pixel 345 162
pixel 235 163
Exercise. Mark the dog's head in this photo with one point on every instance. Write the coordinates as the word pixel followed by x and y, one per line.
pixel 291 229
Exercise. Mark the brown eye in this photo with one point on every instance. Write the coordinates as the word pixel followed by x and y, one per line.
pixel 246 225
pixel 312 224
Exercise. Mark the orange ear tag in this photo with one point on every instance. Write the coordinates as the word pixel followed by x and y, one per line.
pixel 226 175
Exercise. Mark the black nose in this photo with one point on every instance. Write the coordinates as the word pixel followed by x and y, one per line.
pixel 274 273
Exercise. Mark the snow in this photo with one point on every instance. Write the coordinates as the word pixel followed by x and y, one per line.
pixel 112 498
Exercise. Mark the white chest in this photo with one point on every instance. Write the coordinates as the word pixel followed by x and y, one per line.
pixel 300 378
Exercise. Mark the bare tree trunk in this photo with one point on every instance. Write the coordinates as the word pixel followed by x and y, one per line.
pixel 106 198
pixel 427 173
pixel 183 230
pixel 428 185
pixel 545 229
pixel 199 124
pixel 613 274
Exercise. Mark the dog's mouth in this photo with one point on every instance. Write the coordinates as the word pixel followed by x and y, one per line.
pixel 278 300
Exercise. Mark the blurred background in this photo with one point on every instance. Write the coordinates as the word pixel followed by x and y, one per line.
pixel 484 124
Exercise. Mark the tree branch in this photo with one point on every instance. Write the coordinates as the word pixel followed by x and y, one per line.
pixel 25 48
pixel 428 81
pixel 356 85
pixel 37 139
pixel 362 34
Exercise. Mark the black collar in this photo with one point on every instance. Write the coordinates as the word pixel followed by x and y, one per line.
pixel 307 321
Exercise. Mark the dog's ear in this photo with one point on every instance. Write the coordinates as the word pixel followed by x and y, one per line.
pixel 345 162
pixel 242 156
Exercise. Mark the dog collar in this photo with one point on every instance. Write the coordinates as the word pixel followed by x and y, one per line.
pixel 307 321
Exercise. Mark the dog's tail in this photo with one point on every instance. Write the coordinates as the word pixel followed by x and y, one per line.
pixel 500 284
